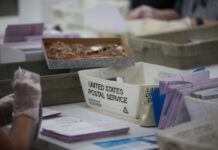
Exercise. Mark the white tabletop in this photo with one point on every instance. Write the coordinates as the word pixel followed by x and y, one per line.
pixel 80 110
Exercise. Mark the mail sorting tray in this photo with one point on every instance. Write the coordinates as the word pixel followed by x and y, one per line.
pixel 181 49
pixel 129 98
pixel 58 86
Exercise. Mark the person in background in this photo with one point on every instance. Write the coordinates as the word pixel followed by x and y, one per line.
pixel 190 12
pixel 159 4
pixel 25 106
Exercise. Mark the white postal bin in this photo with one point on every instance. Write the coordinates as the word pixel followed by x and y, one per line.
pixel 130 98
pixel 199 109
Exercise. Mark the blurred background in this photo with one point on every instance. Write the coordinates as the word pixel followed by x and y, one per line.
pixel 134 21
pixel 65 13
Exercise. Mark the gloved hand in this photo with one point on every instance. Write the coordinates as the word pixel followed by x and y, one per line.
pixel 142 12
pixel 27 91
pixel 6 108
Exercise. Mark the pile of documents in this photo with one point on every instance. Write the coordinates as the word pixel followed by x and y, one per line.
pixel 49 113
pixel 133 143
pixel 23 32
pixel 31 32
pixel 170 106
pixel 69 129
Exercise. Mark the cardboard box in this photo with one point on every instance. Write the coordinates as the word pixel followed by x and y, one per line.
pixel 91 62
pixel 128 98
pixel 58 86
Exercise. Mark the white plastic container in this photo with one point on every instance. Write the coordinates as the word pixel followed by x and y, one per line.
pixel 130 94
pixel 142 27
pixel 199 134
pixel 21 52
pixel 199 109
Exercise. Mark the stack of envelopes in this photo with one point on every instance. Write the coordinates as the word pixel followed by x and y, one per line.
pixel 168 102
pixel 69 129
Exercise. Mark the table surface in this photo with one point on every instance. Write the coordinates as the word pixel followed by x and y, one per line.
pixel 80 110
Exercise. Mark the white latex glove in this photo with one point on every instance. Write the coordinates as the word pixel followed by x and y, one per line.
pixel 27 91
pixel 141 12
pixel 6 109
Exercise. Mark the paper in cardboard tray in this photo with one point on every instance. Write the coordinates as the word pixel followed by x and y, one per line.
pixel 90 62
pixel 128 98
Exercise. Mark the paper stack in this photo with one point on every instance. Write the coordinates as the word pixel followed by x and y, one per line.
pixel 168 102
pixel 147 142
pixel 32 33
pixel 69 129
pixel 21 32
pixel 49 113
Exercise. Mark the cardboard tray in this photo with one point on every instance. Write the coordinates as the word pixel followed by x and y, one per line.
pixel 58 86
pixel 92 62
pixel 182 49
pixel 130 98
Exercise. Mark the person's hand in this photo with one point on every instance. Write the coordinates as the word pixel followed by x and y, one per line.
pixel 144 12
pixel 27 91
pixel 6 108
